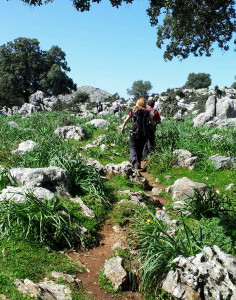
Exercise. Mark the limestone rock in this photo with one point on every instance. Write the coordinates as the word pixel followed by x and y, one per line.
pixel 126 169
pixel 221 162
pixel 208 275
pixel 183 188
pixel 18 194
pixel 85 209
pixel 115 272
pixel 24 147
pixel 98 123
pixel 12 124
pixel 71 132
pixel 184 158
pixel 51 178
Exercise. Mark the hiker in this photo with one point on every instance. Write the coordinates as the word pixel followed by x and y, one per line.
pixel 99 107
pixel 152 128
pixel 116 107
pixel 139 133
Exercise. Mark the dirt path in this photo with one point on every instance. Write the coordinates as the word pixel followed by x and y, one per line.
pixel 94 259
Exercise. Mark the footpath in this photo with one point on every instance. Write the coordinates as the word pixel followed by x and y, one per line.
pixel 94 259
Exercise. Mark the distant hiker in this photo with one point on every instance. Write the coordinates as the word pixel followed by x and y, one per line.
pixel 139 133
pixel 152 128
pixel 99 107
pixel 116 107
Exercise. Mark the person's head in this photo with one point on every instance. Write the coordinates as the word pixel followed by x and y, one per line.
pixel 141 103
pixel 151 102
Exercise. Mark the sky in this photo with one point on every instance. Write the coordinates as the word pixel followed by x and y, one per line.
pixel 109 48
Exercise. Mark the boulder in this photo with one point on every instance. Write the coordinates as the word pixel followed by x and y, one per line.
pixel 24 147
pixel 97 165
pixel 184 187
pixel 52 178
pixel 208 275
pixel 223 162
pixel 99 123
pixel 12 124
pixel 184 158
pixel 115 272
pixel 18 194
pixel 226 108
pixel 126 169
pixel 85 209
pixel 71 132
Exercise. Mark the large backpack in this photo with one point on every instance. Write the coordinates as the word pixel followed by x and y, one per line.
pixel 154 117
pixel 140 123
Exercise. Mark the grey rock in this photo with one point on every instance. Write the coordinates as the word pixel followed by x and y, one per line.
pixel 60 275
pixel 115 272
pixel 184 158
pixel 229 187
pixel 156 191
pixel 51 178
pixel 221 162
pixel 85 209
pixel 95 94
pixel 98 123
pixel 210 274
pixel 97 165
pixel 126 169
pixel 24 147
pixel 71 132
pixel 13 124
pixel 226 108
pixel 18 194
pixel 183 188
pixel 52 290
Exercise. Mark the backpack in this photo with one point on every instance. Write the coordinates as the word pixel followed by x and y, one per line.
pixel 140 123
pixel 152 113
pixel 116 107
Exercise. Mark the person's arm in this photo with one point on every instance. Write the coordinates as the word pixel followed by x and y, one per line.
pixel 124 124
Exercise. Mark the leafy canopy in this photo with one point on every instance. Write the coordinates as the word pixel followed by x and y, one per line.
pixel 198 81
pixel 25 68
pixel 184 27
pixel 140 88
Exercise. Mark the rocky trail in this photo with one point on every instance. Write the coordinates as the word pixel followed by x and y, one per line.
pixel 95 258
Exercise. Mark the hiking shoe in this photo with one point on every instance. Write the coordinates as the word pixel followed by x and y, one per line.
pixel 137 165
pixel 133 162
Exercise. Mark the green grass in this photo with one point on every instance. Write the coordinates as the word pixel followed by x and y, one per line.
pixel 24 259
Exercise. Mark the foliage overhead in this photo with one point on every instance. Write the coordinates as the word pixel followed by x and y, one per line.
pixel 188 26
pixel 198 81
pixel 140 88
pixel 25 68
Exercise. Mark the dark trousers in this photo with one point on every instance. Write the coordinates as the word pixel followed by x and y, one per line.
pixel 136 147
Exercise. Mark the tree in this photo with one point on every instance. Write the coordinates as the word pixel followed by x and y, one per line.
pixel 25 68
pixel 184 26
pixel 140 88
pixel 198 81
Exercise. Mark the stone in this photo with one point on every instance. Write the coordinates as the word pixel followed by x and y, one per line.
pixel 115 272
pixel 126 169
pixel 99 123
pixel 52 290
pixel 52 178
pixel 208 275
pixel 27 286
pixel 60 275
pixel 184 158
pixel 156 191
pixel 226 108
pixel 24 147
pixel 85 209
pixel 183 188
pixel 13 124
pixel 229 187
pixel 97 165
pixel 221 162
pixel 18 194
pixel 71 132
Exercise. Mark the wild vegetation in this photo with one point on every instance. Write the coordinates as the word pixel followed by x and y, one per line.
pixel 43 227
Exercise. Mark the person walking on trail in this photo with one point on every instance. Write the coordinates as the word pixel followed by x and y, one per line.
pixel 99 107
pixel 152 128
pixel 116 107
pixel 139 133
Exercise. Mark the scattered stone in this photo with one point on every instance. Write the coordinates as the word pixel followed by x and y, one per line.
pixel 118 245
pixel 156 191
pixel 52 290
pixel 85 210
pixel 117 229
pixel 134 201
pixel 60 275
pixel 126 169
pixel 184 158
pixel 13 124
pixel 221 162
pixel 115 272
pixel 183 188
pixel 52 178
pixel 99 123
pixel 229 187
pixel 97 165
pixel 168 177
pixel 103 147
pixel 24 147
pixel 18 194
pixel 71 132
pixel 208 275
pixel 217 137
